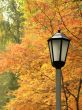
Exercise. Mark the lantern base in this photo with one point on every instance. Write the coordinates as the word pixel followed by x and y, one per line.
pixel 58 64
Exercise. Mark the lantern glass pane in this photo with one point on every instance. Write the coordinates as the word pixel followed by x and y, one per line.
pixel 65 44
pixel 56 49
pixel 50 48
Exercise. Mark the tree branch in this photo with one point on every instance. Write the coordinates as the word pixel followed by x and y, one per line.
pixel 65 24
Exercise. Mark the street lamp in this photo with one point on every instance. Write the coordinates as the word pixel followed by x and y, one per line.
pixel 58 47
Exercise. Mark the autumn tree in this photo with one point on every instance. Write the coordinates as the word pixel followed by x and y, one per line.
pixel 30 59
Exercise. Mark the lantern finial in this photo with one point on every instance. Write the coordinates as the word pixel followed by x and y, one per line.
pixel 59 30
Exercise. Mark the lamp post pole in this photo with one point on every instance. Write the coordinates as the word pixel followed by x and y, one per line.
pixel 58 89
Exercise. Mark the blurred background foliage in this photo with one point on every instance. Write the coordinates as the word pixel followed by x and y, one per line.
pixel 8 83
pixel 11 22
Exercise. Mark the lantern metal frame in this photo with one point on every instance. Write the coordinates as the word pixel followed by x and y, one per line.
pixel 58 64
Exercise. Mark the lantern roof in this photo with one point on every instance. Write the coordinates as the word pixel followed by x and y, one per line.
pixel 59 35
